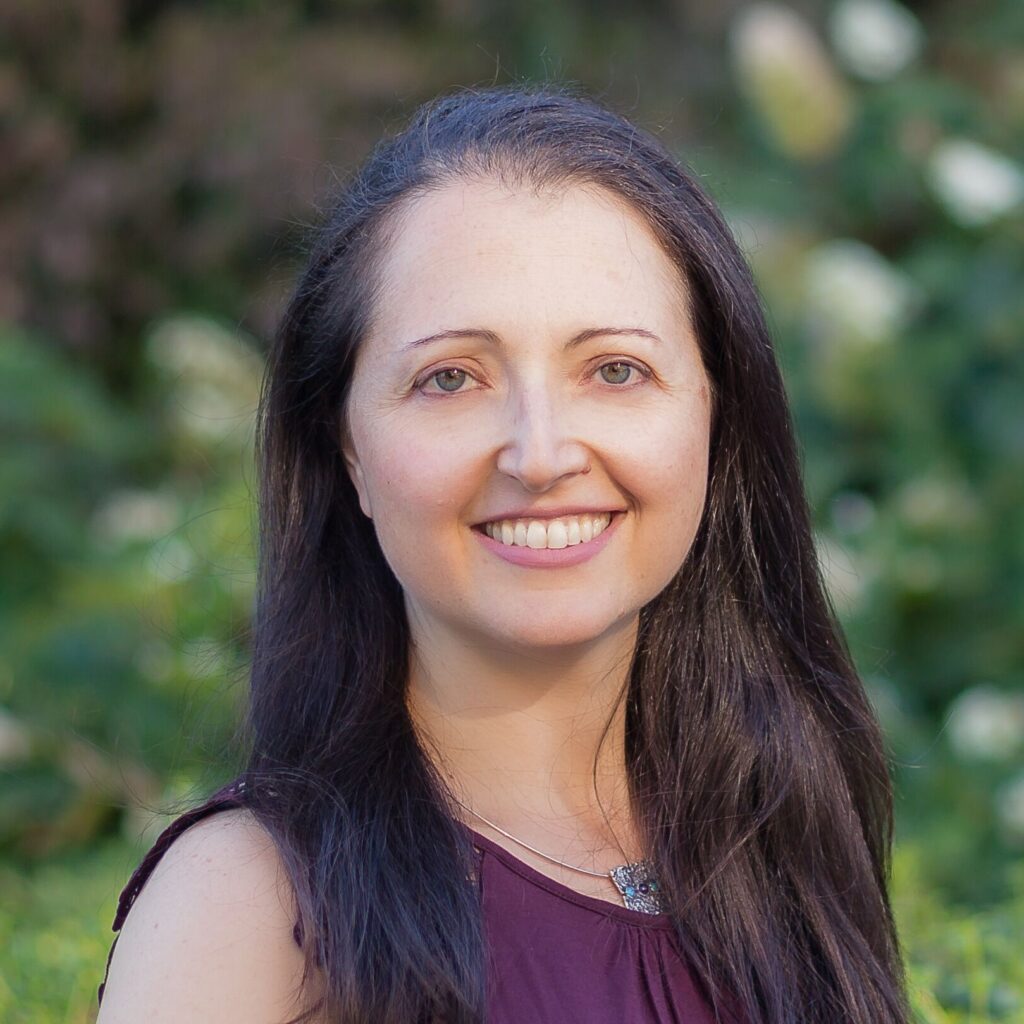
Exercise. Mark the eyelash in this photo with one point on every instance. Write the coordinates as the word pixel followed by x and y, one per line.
pixel 644 372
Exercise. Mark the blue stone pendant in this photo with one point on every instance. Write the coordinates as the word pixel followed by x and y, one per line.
pixel 639 888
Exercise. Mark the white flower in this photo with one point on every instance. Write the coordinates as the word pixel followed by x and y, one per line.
pixel 208 410
pixel 875 39
pixel 974 183
pixel 216 375
pixel 788 76
pixel 169 560
pixel 202 349
pixel 129 515
pixel 986 723
pixel 937 502
pixel 854 294
pixel 845 579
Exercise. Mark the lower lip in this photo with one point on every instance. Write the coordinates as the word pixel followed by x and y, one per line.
pixel 551 558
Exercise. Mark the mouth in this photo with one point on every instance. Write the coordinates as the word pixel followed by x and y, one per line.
pixel 550 534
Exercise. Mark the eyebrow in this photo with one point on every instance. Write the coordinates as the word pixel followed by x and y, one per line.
pixel 490 336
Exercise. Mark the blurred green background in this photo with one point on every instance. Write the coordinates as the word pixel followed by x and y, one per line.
pixel 161 163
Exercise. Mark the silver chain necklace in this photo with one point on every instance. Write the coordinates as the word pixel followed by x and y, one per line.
pixel 635 881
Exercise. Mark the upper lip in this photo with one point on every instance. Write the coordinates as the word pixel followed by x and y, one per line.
pixel 548 513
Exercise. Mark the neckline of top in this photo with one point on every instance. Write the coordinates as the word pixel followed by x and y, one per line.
pixel 565 892
pixel 230 794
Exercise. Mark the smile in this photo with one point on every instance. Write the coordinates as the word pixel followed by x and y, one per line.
pixel 550 543
pixel 564 532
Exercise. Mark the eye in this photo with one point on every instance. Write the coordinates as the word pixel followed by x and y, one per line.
pixel 449 379
pixel 621 368
pixel 448 375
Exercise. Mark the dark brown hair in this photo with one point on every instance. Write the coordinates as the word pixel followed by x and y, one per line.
pixel 752 749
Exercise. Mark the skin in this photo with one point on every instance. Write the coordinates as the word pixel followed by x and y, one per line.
pixel 515 671
pixel 209 938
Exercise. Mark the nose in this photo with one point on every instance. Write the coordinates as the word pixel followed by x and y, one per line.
pixel 542 448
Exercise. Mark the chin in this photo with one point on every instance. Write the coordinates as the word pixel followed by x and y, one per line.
pixel 562 632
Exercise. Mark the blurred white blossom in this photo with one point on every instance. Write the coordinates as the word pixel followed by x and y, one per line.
pixel 937 502
pixel 852 293
pixel 986 723
pixel 201 348
pixel 875 39
pixel 846 577
pixel 129 515
pixel 216 374
pixel 974 183
pixel 788 77
pixel 170 560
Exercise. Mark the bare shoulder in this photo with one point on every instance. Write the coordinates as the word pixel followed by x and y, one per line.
pixel 209 937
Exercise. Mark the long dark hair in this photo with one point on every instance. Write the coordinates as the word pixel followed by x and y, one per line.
pixel 753 754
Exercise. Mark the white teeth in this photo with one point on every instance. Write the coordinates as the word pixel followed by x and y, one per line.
pixel 558 535
pixel 548 533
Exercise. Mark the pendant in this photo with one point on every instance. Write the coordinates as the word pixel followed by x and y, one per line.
pixel 639 888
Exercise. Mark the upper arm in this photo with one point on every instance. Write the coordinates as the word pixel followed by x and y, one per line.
pixel 209 938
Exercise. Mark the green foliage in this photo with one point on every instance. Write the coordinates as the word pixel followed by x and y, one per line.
pixel 55 933
pixel 126 610
pixel 964 966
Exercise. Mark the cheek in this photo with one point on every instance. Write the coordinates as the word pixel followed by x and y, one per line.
pixel 413 477
pixel 414 491
pixel 672 484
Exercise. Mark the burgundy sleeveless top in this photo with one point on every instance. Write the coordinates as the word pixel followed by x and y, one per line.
pixel 555 955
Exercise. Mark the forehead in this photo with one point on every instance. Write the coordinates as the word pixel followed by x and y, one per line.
pixel 479 251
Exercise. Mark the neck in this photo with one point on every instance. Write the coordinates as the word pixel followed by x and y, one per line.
pixel 520 735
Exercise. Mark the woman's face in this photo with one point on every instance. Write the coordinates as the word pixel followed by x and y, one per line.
pixel 570 379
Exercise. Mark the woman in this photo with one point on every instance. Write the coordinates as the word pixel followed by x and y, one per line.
pixel 550 718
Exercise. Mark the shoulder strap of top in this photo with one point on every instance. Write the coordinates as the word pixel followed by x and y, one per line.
pixel 226 797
